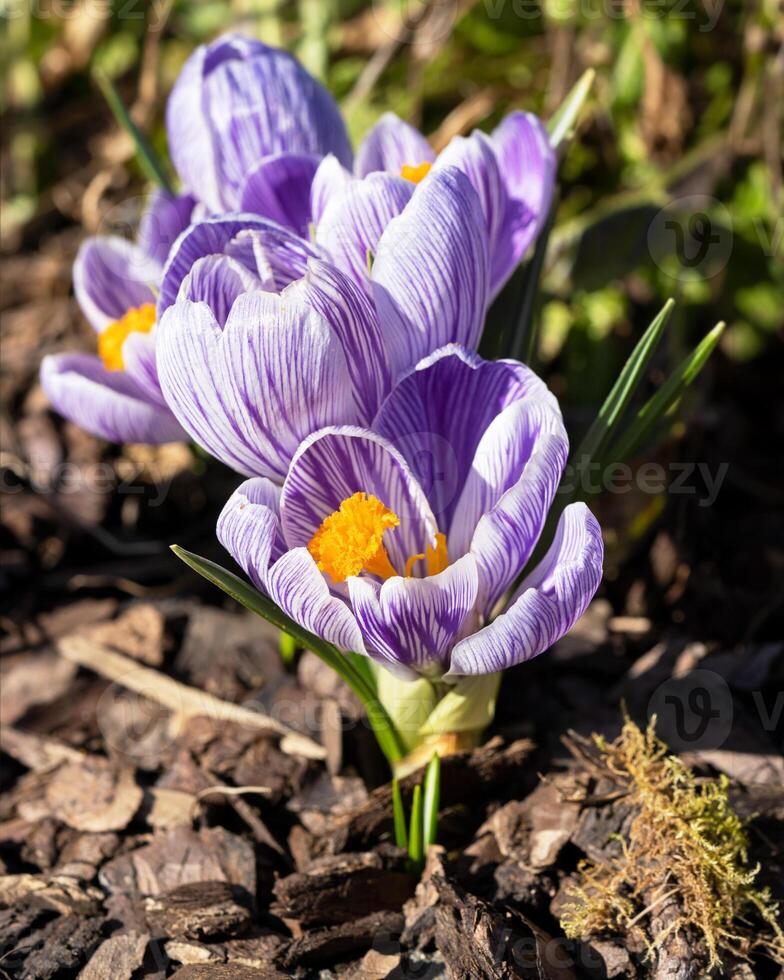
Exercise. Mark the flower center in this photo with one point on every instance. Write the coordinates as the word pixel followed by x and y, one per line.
pixel 138 319
pixel 415 173
pixel 351 540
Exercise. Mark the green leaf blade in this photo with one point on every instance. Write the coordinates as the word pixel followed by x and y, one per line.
pixel 666 398
pixel 416 851
pixel 344 665
pixel 561 124
pixel 399 817
pixel 431 801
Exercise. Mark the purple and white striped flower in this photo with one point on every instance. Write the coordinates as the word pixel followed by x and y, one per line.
pixel 400 540
pixel 247 127
pixel 116 394
pixel 261 341
pixel 512 170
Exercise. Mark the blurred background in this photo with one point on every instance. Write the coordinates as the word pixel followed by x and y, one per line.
pixel 672 187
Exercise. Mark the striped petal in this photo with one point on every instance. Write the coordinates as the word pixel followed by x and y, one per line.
pixel 338 462
pixel 353 317
pixel 390 145
pixel 329 182
pixel 238 100
pixel 430 275
pixel 264 247
pixel 527 163
pixel 217 280
pixel 299 588
pixel 249 528
pixel 251 392
pixel 110 276
pixel 548 603
pixel 278 187
pixel 413 622
pixel 437 415
pixel 165 218
pixel 109 404
pixel 353 222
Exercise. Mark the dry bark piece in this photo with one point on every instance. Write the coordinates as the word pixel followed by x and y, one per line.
pixel 227 971
pixel 57 892
pixel 257 948
pixel 319 947
pixel 138 633
pixel 338 889
pixel 179 856
pixel 479 942
pixel 183 701
pixel 62 944
pixel 117 957
pixel 199 910
pixel 37 679
pixel 91 796
pixel 37 752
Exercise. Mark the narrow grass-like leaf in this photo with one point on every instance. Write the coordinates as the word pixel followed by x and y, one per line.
pixel 603 428
pixel 349 666
pixel 562 122
pixel 416 851
pixel 432 797
pixel 666 398
pixel 148 159
pixel 524 340
pixel 399 816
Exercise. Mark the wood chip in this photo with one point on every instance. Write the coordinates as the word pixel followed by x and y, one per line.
pixel 138 633
pixel 117 957
pixel 199 910
pixel 91 796
pixel 183 701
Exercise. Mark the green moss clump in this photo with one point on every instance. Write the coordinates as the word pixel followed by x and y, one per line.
pixel 684 843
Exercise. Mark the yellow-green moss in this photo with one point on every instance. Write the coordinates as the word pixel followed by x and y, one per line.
pixel 684 841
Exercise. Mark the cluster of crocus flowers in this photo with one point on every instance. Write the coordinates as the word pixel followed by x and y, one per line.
pixel 311 319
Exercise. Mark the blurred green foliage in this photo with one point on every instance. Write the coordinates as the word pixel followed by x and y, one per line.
pixel 685 114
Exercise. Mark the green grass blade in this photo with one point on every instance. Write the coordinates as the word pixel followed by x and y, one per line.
pixel 344 665
pixel 416 851
pixel 561 124
pixel 399 816
pixel 665 399
pixel 602 429
pixel 148 159
pixel 432 797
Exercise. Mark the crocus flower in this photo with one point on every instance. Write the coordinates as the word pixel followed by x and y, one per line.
pixel 512 171
pixel 247 127
pixel 115 394
pixel 262 342
pixel 399 540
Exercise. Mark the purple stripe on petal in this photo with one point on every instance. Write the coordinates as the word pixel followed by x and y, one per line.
pixel 519 464
pixel 437 415
pixel 286 254
pixel 299 588
pixel 329 182
pixel 352 316
pixel 110 276
pixel 548 603
pixel 249 528
pixel 138 354
pixel 414 621
pixel 238 100
pixel 528 164
pixel 278 187
pixel 108 404
pixel 338 462
pixel 430 276
pixel 354 221
pixel 390 145
pixel 217 280
pixel 165 218
pixel 249 394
